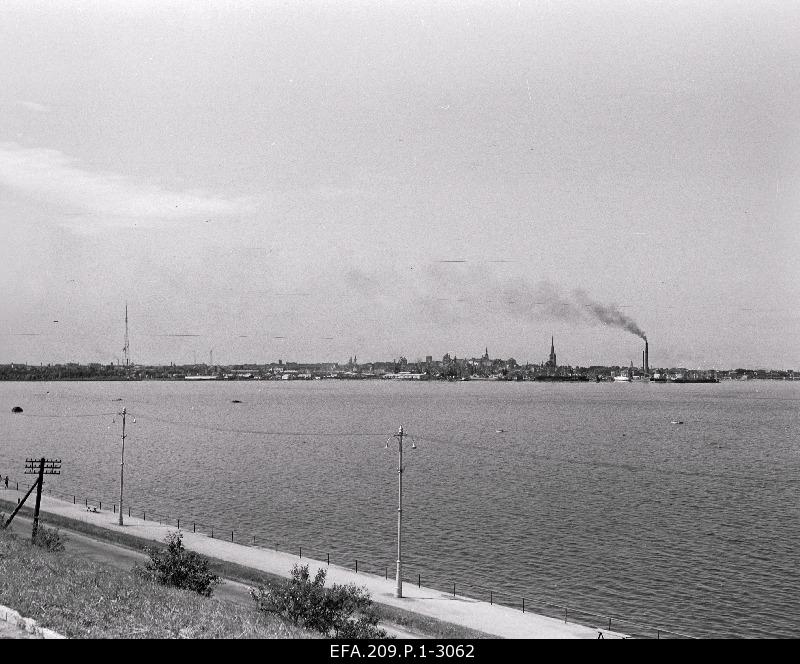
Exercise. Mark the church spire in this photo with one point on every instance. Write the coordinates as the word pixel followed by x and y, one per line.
pixel 551 362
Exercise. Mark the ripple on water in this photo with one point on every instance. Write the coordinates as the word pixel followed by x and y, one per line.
pixel 589 498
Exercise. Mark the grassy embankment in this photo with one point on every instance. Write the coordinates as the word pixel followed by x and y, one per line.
pixel 83 599
pixel 420 624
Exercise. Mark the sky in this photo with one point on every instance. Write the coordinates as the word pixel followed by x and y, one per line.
pixel 309 181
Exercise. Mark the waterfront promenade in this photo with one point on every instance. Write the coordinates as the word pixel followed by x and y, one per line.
pixel 492 619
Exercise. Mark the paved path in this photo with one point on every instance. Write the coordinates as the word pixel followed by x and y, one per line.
pixel 494 620
pixel 124 558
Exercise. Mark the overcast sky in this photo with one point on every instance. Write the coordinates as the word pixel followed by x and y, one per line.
pixel 310 181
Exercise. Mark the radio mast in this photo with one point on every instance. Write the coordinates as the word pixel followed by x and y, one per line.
pixel 126 348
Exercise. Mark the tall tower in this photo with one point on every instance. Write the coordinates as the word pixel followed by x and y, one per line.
pixel 127 347
pixel 552 360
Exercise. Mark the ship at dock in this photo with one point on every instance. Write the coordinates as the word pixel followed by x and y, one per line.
pixel 658 378
pixel 628 375
pixel 570 378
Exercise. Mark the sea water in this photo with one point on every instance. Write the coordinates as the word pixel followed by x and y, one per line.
pixel 673 506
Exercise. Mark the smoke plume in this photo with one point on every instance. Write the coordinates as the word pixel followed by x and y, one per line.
pixel 546 300
pixel 460 291
pixel 609 314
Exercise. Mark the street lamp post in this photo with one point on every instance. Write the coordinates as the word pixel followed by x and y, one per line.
pixel 399 435
pixel 399 590
pixel 122 465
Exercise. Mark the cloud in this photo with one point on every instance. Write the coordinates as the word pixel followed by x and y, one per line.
pixel 33 106
pixel 112 198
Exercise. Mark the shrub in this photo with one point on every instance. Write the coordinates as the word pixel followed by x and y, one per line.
pixel 342 611
pixel 176 567
pixel 49 538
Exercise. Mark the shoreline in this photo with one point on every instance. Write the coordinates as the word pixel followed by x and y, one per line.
pixel 494 620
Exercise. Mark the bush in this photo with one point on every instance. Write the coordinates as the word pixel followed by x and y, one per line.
pixel 49 538
pixel 342 611
pixel 176 567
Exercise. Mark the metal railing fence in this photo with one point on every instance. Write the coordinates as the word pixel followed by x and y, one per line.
pixel 525 602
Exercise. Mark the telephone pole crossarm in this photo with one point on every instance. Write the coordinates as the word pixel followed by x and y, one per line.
pixel 40 467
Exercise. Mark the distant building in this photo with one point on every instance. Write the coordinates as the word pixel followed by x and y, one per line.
pixel 485 363
pixel 551 364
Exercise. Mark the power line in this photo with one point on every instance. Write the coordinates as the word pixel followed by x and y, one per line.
pixel 633 468
pixel 261 432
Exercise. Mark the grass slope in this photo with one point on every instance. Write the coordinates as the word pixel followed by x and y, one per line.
pixel 86 600
pixel 415 622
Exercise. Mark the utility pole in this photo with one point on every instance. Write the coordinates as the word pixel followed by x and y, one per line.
pixel 40 481
pixel 122 464
pixel 399 435
pixel 40 467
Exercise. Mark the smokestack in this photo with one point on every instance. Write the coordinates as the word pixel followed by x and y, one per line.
pixel 646 359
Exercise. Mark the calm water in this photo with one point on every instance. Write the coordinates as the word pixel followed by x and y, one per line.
pixel 588 497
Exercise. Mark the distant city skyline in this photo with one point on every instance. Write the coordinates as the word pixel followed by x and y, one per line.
pixel 313 181
pixel 550 362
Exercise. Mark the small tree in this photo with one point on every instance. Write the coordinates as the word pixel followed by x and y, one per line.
pixel 353 614
pixel 176 567
pixel 342 611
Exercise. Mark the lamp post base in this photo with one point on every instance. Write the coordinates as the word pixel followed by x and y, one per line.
pixel 399 590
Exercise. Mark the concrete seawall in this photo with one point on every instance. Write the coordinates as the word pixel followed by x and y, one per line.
pixel 27 626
